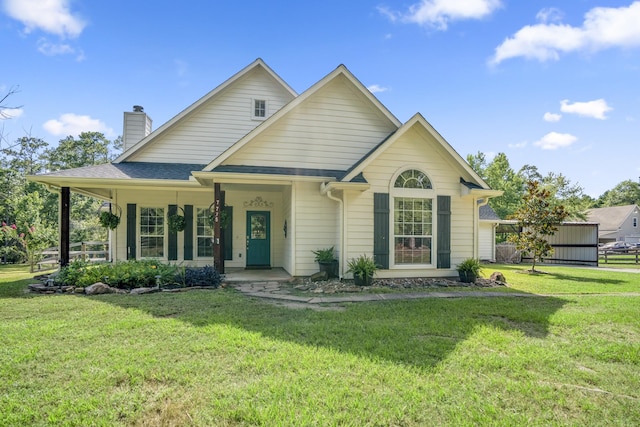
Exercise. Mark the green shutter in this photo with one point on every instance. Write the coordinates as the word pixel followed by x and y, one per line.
pixel 444 232
pixel 131 230
pixel 188 232
pixel 381 229
pixel 227 233
pixel 173 236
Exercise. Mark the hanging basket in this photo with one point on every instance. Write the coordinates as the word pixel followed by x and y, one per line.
pixel 110 218
pixel 223 216
pixel 177 222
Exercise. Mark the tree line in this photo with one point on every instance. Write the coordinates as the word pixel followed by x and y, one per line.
pixel 499 175
pixel 29 211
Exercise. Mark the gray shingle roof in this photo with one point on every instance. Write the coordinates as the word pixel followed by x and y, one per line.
pixel 131 170
pixel 488 214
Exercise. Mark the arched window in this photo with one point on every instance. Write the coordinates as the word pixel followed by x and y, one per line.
pixel 412 178
pixel 412 218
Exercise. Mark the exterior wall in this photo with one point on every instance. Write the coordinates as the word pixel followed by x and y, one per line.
pixel 241 202
pixel 316 226
pixel 486 241
pixel 574 243
pixel 628 232
pixel 416 150
pixel 216 125
pixel 331 130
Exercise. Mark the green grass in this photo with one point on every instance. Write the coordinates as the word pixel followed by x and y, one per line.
pixel 215 357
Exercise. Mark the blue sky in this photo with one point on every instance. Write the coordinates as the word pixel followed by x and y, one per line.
pixel 555 84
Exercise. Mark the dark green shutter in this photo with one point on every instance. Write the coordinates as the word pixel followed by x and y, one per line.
pixel 173 236
pixel 381 229
pixel 131 230
pixel 444 232
pixel 188 232
pixel 228 233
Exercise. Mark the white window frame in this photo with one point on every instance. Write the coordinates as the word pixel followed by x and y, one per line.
pixel 415 193
pixel 197 236
pixel 253 108
pixel 164 236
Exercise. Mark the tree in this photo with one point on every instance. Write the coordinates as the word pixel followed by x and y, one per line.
pixel 538 218
pixel 499 175
pixel 625 193
pixel 90 148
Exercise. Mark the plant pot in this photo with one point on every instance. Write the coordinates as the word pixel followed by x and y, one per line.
pixel 362 280
pixel 467 276
pixel 331 268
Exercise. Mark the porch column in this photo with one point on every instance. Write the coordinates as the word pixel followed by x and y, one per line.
pixel 218 243
pixel 65 197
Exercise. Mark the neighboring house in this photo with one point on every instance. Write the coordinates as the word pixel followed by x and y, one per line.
pixel 292 174
pixel 617 223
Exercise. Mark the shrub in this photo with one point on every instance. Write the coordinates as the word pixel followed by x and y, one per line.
pixel 136 274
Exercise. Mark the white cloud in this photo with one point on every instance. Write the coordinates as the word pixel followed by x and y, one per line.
pixel 555 140
pixel 603 27
pixel 51 16
pixel 552 117
pixel 53 49
pixel 550 14
pixel 595 109
pixel 11 113
pixel 377 88
pixel 438 13
pixel 74 124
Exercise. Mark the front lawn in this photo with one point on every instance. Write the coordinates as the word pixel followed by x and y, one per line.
pixel 216 357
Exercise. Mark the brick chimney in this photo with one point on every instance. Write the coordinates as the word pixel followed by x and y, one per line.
pixel 137 125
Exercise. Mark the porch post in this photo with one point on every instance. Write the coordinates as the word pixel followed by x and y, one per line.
pixel 218 244
pixel 65 197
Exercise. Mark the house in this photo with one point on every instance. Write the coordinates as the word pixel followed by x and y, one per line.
pixel 283 174
pixel 617 223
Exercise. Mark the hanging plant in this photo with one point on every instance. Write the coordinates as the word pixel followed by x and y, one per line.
pixel 224 217
pixel 177 222
pixel 109 219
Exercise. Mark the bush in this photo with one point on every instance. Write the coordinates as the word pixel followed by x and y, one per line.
pixel 136 274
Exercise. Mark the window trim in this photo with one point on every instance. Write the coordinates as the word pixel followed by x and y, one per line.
pixel 197 255
pixel 417 193
pixel 253 109
pixel 139 235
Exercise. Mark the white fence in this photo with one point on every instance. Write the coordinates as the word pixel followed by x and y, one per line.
pixel 88 251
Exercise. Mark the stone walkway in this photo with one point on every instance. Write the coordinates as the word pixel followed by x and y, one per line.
pixel 279 293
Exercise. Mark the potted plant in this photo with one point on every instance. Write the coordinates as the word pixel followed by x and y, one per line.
pixel 107 218
pixel 469 270
pixel 176 222
pixel 363 269
pixel 327 261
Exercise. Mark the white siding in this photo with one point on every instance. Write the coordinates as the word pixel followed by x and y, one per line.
pixel 332 129
pixel 415 149
pixel 486 241
pixel 238 199
pixel 213 127
pixel 316 226
pixel 574 244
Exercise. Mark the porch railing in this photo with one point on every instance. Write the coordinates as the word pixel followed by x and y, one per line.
pixel 94 251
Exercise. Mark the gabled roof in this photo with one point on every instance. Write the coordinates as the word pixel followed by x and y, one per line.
pixel 420 121
pixel 488 214
pixel 213 93
pixel 341 70
pixel 611 218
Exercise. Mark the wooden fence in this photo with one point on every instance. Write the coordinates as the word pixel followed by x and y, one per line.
pixel 620 256
pixel 89 251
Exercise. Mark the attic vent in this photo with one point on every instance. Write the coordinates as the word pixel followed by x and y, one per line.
pixel 138 109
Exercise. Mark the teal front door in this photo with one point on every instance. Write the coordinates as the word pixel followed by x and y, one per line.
pixel 258 239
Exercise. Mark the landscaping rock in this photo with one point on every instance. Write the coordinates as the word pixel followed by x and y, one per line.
pixel 319 276
pixel 498 277
pixel 38 287
pixel 98 289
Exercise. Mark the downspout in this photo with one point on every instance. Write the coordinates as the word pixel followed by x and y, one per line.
pixel 327 192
